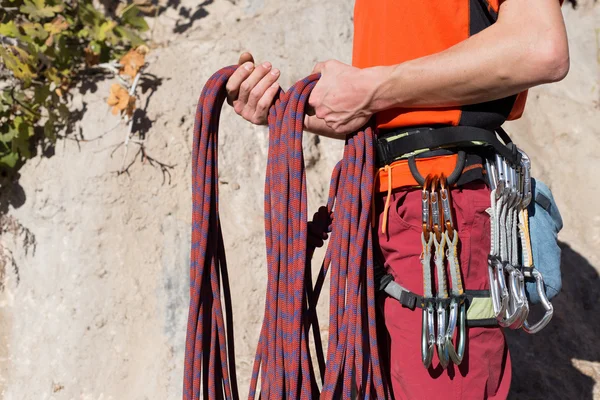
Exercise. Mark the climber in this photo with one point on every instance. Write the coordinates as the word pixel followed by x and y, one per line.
pixel 422 65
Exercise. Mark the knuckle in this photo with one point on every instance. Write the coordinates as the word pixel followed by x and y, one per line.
pixel 245 87
pixel 255 94
pixel 238 107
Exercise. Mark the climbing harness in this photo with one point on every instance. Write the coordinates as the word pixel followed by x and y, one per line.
pixel 283 365
pixel 507 169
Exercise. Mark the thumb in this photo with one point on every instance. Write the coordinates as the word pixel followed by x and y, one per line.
pixel 245 57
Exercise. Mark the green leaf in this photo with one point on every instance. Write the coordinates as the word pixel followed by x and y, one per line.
pixel 41 94
pixel 130 36
pixel 49 130
pixel 10 135
pixel 37 9
pixel 9 160
pixel 104 30
pixel 131 16
pixel 10 29
pixel 20 69
pixel 34 30
pixel 21 141
pixel 89 16
pixel 63 111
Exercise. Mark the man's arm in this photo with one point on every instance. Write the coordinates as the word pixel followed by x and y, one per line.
pixel 526 47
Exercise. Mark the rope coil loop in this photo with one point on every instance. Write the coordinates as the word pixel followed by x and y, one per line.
pixel 283 363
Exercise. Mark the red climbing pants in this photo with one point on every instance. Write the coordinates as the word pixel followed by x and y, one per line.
pixel 485 371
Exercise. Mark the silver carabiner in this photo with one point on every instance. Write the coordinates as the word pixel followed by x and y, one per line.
pixel 525 308
pixel 427 335
pixel 526 172
pixel 541 324
pixel 501 179
pixel 499 269
pixel 494 288
pixel 456 354
pixel 441 335
pixel 516 303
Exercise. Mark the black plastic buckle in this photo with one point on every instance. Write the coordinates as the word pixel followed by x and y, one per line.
pixel 408 300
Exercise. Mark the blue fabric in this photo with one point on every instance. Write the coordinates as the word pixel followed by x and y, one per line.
pixel 544 224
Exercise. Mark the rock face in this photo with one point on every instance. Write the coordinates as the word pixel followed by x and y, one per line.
pixel 95 305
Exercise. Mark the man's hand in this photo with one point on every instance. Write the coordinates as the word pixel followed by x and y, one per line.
pixel 342 96
pixel 251 89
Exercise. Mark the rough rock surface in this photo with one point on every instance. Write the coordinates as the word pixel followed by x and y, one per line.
pixel 95 306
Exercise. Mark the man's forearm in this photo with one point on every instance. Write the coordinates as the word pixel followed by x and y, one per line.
pixel 500 61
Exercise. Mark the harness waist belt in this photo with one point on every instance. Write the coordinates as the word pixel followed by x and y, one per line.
pixel 391 145
pixel 401 175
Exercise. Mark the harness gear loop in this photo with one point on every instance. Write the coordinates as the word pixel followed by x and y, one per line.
pixel 460 164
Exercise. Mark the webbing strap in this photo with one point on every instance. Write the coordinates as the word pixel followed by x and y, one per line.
pixel 454 264
pixel 479 303
pixel 425 264
pixel 391 148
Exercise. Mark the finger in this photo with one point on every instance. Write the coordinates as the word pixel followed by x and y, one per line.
pixel 261 87
pixel 249 83
pixel 245 57
pixel 318 67
pixel 265 102
pixel 236 79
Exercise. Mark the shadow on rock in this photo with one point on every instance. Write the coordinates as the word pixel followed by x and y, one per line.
pixel 189 16
pixel 11 192
pixel 544 363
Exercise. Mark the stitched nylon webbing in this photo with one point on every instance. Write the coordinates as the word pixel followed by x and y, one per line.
pixel 283 366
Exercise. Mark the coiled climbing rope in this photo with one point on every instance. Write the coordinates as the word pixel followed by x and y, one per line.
pixel 283 363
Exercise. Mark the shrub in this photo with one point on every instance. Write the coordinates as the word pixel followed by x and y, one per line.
pixel 45 47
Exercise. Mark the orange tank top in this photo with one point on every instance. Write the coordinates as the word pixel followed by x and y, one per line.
pixel 388 32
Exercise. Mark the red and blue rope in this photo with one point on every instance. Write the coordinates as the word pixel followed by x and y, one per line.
pixel 283 359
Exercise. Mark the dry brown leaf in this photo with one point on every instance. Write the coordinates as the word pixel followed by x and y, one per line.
pixel 120 100
pixel 133 61
pixel 91 58
pixel 146 7
pixel 57 25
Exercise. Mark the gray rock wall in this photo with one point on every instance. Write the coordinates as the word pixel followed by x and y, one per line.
pixel 96 308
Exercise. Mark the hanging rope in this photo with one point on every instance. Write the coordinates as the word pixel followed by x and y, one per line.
pixel 283 359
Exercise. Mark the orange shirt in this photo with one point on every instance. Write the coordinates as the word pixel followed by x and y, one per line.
pixel 388 32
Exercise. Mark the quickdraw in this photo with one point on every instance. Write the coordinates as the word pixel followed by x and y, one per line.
pixel 438 229
pixel 510 195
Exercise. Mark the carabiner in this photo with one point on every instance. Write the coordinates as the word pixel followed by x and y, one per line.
pixel 516 302
pixel 501 282
pixel 525 308
pixel 442 349
pixel 526 175
pixel 541 324
pixel 447 212
pixel 427 335
pixel 457 354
